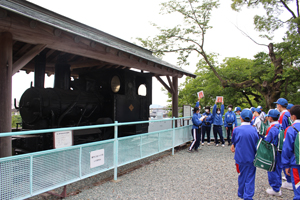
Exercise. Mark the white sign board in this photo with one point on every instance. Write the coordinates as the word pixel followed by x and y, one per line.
pixel 187 111
pixel 62 139
pixel 97 158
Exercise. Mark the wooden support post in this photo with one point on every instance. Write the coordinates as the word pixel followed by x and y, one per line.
pixel 39 70
pixel 175 98
pixel 6 44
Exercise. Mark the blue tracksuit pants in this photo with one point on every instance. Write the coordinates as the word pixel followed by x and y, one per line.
pixel 218 131
pixel 196 139
pixel 229 133
pixel 295 171
pixel 205 129
pixel 246 180
pixel 275 179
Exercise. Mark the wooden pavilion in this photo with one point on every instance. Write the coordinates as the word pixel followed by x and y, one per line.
pixel 32 38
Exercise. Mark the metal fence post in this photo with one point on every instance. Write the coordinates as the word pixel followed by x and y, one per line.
pixel 80 156
pixel 31 175
pixel 116 146
pixel 173 138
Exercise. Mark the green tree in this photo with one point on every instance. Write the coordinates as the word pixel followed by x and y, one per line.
pixel 279 13
pixel 189 37
pixel 15 119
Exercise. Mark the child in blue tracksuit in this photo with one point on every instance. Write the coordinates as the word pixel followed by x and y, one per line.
pixel 287 155
pixel 281 105
pixel 230 119
pixel 253 117
pixel 244 140
pixel 206 125
pixel 274 177
pixel 218 123
pixel 195 133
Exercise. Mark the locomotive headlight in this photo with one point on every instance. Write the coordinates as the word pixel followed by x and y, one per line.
pixel 115 84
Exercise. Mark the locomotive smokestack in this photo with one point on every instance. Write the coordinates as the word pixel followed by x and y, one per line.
pixel 62 73
pixel 39 70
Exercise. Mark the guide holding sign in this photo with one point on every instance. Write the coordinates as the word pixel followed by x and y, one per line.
pixel 218 123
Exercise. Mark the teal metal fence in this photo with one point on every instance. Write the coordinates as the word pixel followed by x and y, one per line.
pixel 24 176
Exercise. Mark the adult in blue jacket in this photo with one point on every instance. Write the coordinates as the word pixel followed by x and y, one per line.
pixel 218 123
pixel 274 177
pixel 244 140
pixel 195 133
pixel 287 156
pixel 230 119
pixel 281 105
pixel 206 125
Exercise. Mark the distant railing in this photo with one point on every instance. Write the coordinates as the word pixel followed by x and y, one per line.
pixel 27 175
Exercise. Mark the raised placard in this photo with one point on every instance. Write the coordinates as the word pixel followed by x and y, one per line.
pixel 200 94
pixel 97 158
pixel 219 99
pixel 62 139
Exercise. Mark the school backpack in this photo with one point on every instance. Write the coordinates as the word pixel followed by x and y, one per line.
pixel 265 157
pixel 263 129
pixel 296 147
pixel 280 138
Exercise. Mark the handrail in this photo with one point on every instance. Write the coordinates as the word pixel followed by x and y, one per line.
pixel 6 134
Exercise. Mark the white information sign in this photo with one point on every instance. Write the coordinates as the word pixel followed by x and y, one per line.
pixel 187 111
pixel 63 139
pixel 97 158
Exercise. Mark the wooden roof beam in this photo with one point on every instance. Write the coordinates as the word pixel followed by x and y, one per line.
pixel 164 84
pixel 27 57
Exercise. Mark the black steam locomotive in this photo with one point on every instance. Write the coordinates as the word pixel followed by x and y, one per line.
pixel 95 97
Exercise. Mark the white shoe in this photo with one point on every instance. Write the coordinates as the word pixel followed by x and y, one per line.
pixel 208 144
pixel 287 185
pixel 217 145
pixel 283 178
pixel 272 192
pixel 202 144
pixel 223 145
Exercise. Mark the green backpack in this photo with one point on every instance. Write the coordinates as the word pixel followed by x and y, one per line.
pixel 281 135
pixel 265 157
pixel 263 129
pixel 280 139
pixel 296 147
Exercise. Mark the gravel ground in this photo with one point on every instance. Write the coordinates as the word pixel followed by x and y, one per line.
pixel 207 174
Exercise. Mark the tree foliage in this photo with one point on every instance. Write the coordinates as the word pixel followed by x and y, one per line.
pixel 279 13
pixel 263 79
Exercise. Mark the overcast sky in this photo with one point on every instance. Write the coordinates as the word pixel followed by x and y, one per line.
pixel 130 19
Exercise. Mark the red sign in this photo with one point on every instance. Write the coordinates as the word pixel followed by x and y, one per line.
pixel 219 99
pixel 200 94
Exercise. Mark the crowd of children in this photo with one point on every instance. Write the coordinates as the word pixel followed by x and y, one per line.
pixel 245 138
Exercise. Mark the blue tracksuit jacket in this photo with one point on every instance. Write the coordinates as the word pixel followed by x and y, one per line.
pixel 196 121
pixel 284 119
pixel 208 121
pixel 230 117
pixel 274 177
pixel 287 154
pixel 218 117
pixel 244 139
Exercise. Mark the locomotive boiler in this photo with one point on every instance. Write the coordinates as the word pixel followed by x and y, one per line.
pixel 95 97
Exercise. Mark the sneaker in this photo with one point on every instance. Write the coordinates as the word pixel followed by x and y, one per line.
pixel 202 144
pixel 217 145
pixel 272 192
pixel 190 151
pixel 223 145
pixel 287 185
pixel 208 144
pixel 284 178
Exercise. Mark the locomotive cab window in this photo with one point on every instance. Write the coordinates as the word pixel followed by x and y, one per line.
pixel 142 90
pixel 115 84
